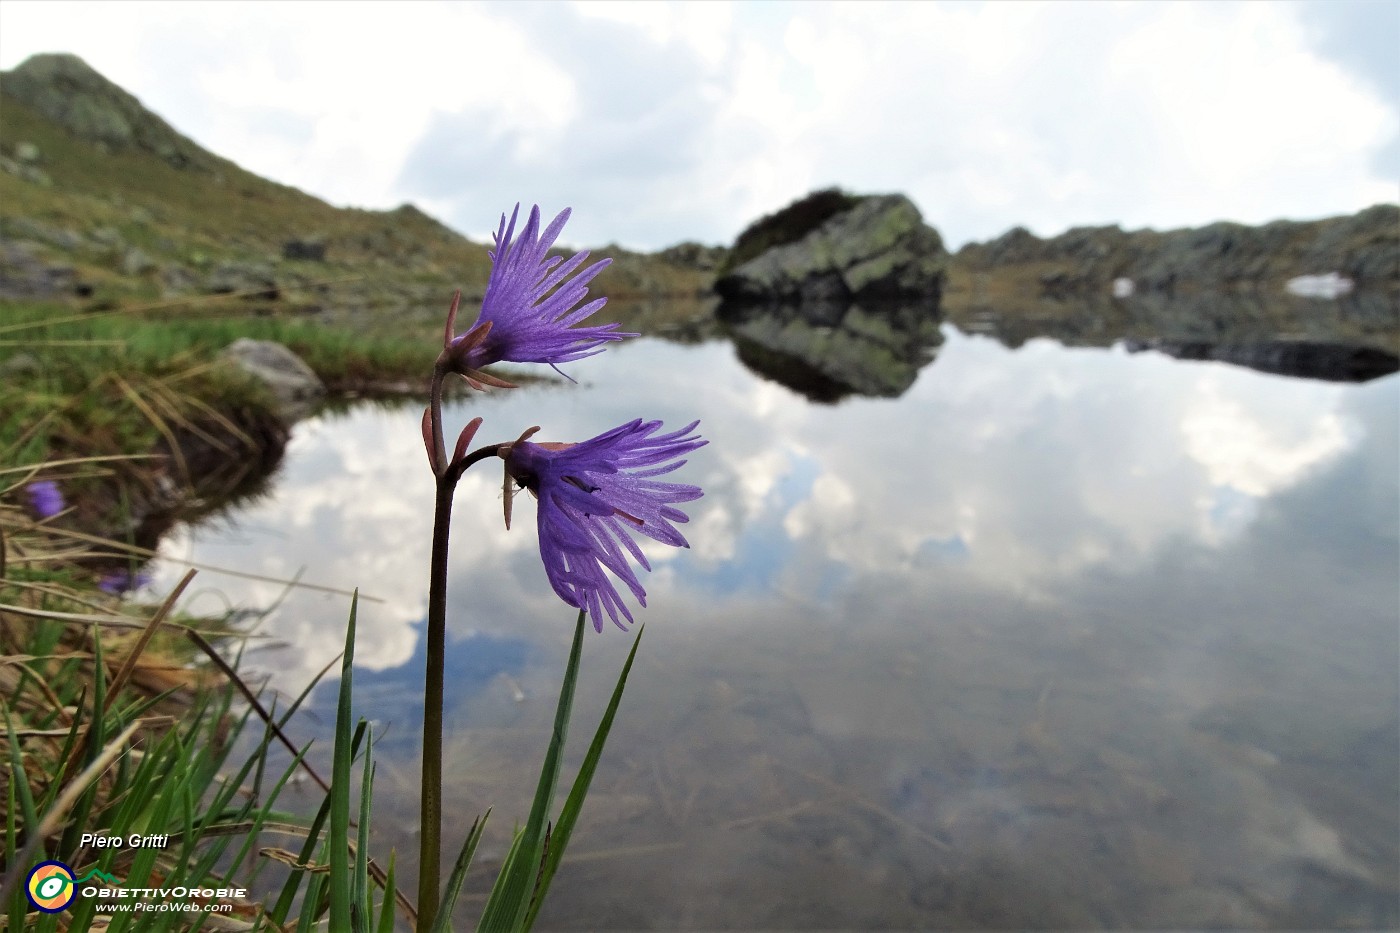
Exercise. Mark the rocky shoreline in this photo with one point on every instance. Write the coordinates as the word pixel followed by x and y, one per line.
pixel 1362 248
pixel 844 292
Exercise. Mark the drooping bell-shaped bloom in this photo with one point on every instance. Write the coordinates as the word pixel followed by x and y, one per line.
pixel 596 495
pixel 45 498
pixel 531 312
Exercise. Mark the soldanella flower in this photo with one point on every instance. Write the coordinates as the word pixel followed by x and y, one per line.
pixel 122 581
pixel 596 495
pixel 45 498
pixel 531 312
pixel 595 499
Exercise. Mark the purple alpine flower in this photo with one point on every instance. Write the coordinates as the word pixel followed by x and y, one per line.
pixel 531 304
pixel 45 498
pixel 593 496
pixel 122 581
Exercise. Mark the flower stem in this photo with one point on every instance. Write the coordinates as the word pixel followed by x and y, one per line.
pixel 430 807
pixel 430 814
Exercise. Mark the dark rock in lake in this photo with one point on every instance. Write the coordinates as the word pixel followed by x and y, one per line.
pixel 831 249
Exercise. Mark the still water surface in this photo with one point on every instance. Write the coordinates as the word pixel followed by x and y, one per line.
pixel 1057 638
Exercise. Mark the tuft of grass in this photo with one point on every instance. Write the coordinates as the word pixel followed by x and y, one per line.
pixel 91 748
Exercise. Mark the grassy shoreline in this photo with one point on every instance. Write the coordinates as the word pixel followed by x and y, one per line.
pixel 149 423
pixel 112 725
pixel 66 373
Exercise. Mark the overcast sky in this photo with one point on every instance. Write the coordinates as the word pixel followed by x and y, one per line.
pixel 660 122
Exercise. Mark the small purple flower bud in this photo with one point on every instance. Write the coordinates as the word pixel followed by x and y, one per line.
pixel 45 498
pixel 122 581
pixel 593 497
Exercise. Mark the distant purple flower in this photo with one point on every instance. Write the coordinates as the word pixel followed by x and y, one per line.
pixel 124 580
pixel 520 321
pixel 45 498
pixel 592 497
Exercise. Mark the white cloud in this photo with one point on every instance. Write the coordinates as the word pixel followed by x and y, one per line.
pixel 658 122
pixel 1242 442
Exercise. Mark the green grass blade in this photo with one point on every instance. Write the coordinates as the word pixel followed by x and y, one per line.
pixel 17 905
pixel 20 779
pixel 308 849
pixel 573 804
pixel 510 896
pixel 340 786
pixel 96 734
pixel 361 909
pixel 69 841
pixel 443 922
pixel 386 908
pixel 311 909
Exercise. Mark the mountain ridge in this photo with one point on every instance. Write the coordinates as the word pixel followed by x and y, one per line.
pixel 105 202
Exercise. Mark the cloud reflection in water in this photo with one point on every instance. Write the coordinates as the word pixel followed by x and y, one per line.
pixel 1026 606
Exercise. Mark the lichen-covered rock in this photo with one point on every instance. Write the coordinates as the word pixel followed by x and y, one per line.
pixel 877 249
pixel 293 382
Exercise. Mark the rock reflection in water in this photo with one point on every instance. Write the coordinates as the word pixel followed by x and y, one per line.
pixel 1351 339
pixel 828 351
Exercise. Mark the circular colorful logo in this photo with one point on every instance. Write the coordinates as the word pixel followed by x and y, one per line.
pixel 51 886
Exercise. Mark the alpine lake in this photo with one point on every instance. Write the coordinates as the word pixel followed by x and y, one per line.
pixel 969 635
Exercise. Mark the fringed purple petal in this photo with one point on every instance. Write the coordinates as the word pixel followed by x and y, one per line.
pixel 593 506
pixel 533 300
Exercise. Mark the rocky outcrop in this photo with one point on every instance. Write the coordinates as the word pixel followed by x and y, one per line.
pixel 1363 248
pixel 829 250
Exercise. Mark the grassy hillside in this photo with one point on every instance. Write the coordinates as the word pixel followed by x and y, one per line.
pixel 143 214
